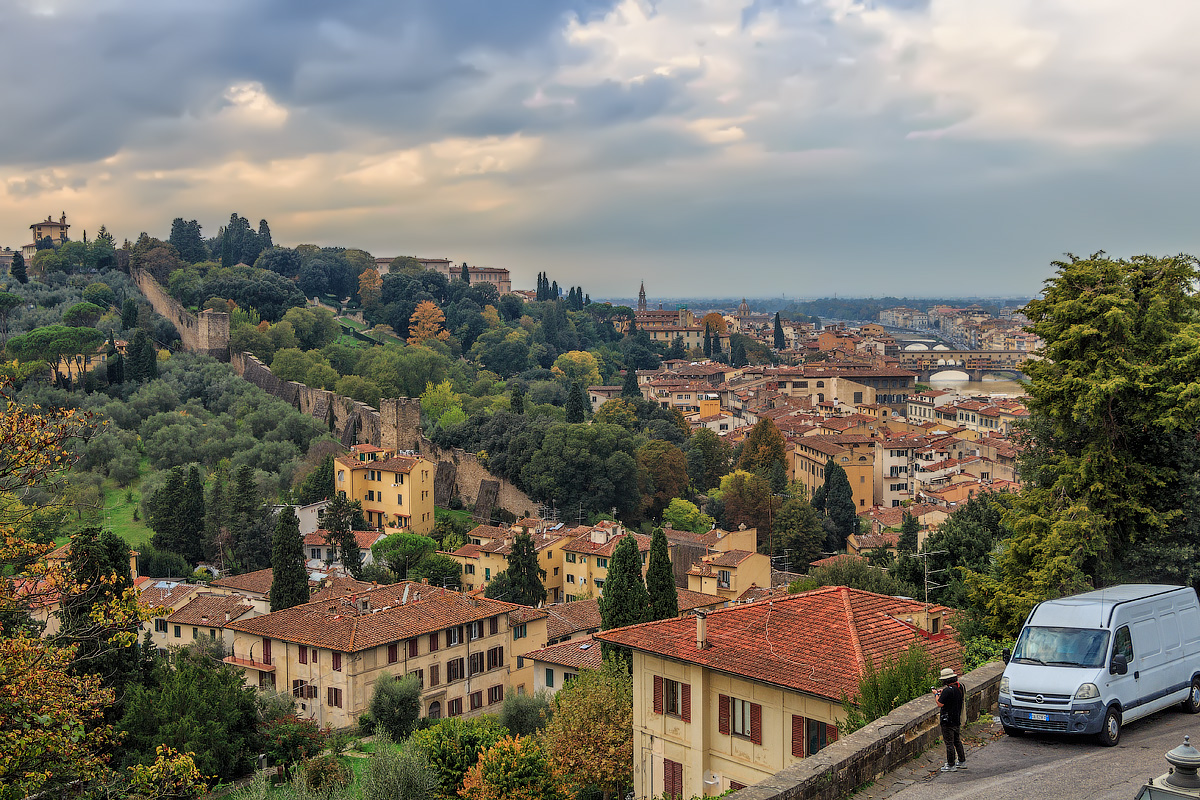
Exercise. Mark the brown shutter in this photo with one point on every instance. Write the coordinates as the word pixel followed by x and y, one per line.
pixel 797 736
pixel 414 648
pixel 756 723
pixel 658 694
pixel 434 640
pixel 303 655
pixel 685 702
pixel 830 733
pixel 433 675
pixel 723 714
pixel 495 625
pixel 337 662
pixel 266 650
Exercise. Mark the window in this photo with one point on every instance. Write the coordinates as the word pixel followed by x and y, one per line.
pixel 495 695
pixel 476 629
pixel 400 478
pixel 723 577
pixel 569 558
pixel 570 578
pixel 419 674
pixel 371 494
pixel 160 626
pixel 333 697
pixel 476 700
pixel 1123 644
pixel 178 632
pixel 599 584
pixel 519 631
pixel 672 697
pixel 433 675
pixel 434 641
pixel 266 651
pixel 195 633
pixel 469 569
pixel 212 633
pixel 304 690
pixel 556 571
pixel 520 662
pixel 393 656
pixel 303 655
pixel 454 636
pixel 454 670
pixel 435 710
pixel 672 779
pixel 495 658
pixel 341 475
pixel 414 648
pixel 549 677
pixel 601 562
pixel 455 707
pixel 487 573
pixel 399 499
pixel 314 657
pixel 818 735
pixel 494 625
pixel 739 717
pixel 475 663
pixel 337 662
pixel 314 552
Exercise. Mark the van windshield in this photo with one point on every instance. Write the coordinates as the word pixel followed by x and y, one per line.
pixel 1061 647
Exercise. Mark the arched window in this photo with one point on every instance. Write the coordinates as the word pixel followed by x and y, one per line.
pixel 435 710
pixel 820 384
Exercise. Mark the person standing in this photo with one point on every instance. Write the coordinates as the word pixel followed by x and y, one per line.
pixel 950 699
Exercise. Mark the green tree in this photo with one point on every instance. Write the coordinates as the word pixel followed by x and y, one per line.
pixel 589 739
pixel 902 677
pixel 438 570
pixel 685 516
pixel 17 268
pixel 166 513
pixel 625 600
pixel 129 314
pixel 514 768
pixel 338 519
pixel 629 387
pixel 576 403
pixel 858 574
pixel 394 772
pixel 909 530
pixel 839 506
pixel 678 350
pixel 798 533
pixel 780 342
pixel 201 706
pixel 763 448
pixel 617 411
pixel 524 574
pixel 192 517
pixel 454 745
pixel 660 580
pixel 8 301
pixel 395 705
pixel 737 352
pixel 593 466
pixel 517 398
pixel 747 500
pixel 289 576
pixel 662 475
pixel 709 459
pixel 143 358
pixel 402 551
pixel 318 484
pixel 526 714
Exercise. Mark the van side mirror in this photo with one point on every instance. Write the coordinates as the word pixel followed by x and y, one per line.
pixel 1005 655
pixel 1120 665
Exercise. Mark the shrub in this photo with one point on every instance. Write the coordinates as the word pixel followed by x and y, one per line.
pixel 525 714
pixel 395 705
pixel 326 772
pixel 901 678
pixel 398 772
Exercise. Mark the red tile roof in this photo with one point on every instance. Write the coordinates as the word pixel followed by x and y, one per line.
pixel 567 619
pixel 816 642
pixel 577 654
pixel 395 612
pixel 689 600
pixel 340 586
pixel 160 593
pixel 258 582
pixel 364 538
pixel 209 610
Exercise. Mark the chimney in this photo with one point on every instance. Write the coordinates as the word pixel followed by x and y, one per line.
pixel 226 617
pixel 701 630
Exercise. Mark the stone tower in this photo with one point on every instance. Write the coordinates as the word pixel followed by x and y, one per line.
pixel 641 309
pixel 400 423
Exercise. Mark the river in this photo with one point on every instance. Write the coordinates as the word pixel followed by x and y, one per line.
pixel 989 385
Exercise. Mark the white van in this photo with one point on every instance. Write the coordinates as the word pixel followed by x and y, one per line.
pixel 1090 663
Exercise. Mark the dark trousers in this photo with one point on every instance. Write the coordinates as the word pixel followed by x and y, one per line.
pixel 952 736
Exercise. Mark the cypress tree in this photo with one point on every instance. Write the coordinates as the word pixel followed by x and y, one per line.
pixel 166 515
pixel 737 353
pixel 839 504
pixel 677 349
pixel 576 403
pixel 264 235
pixel 129 314
pixel 226 249
pixel 633 329
pixel 625 600
pixel 191 527
pixel 660 579
pixel 216 515
pixel 289 576
pixel 629 389
pixel 466 273
pixel 909 528
pixel 517 399
pixel 780 343
pixel 115 362
pixel 587 300
pixel 318 484
pixel 708 342
pixel 17 268
pixel 338 521
pixel 524 574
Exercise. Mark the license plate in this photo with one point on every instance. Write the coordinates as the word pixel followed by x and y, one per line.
pixel 1040 717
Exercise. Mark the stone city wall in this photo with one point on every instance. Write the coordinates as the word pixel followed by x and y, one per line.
pixel 395 426
pixel 206 333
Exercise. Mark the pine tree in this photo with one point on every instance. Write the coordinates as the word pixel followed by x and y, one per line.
pixel 763 447
pixel 191 529
pixel 677 349
pixel 318 484
pixel 17 268
pixel 780 342
pixel 625 600
pixel 264 235
pixel 524 574
pixel 289 576
pixel 660 579
pixel 629 389
pixel 338 521
pixel 216 515
pixel 576 403
pixel 633 328
pixel 115 363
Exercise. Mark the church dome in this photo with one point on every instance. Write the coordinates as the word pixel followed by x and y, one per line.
pixel 743 309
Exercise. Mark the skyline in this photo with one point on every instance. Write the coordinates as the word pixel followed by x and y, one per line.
pixel 900 147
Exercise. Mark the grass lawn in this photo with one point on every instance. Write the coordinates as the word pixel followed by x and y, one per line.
pixel 352 323
pixel 463 517
pixel 118 515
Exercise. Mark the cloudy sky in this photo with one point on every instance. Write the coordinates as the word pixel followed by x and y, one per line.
pixel 708 147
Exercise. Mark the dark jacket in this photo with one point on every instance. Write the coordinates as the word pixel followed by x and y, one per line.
pixel 951 698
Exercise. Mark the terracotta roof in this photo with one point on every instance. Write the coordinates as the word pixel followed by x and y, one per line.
pixel 160 593
pixel 755 593
pixel 581 542
pixel 258 582
pixel 577 654
pixel 523 614
pixel 730 558
pixel 340 586
pixel 816 642
pixel 468 550
pixel 488 532
pixel 209 610
pixel 395 612
pixel 364 538
pixel 396 463
pixel 689 600
pixel 567 619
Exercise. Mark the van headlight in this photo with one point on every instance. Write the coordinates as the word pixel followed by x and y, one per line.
pixel 1004 685
pixel 1087 691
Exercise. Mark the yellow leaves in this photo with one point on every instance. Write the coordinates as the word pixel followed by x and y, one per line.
pixel 426 323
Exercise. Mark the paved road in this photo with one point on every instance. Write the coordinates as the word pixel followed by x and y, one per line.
pixel 1035 767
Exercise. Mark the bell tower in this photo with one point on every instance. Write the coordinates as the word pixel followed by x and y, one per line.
pixel 641 309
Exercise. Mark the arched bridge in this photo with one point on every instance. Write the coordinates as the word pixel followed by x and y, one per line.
pixel 975 363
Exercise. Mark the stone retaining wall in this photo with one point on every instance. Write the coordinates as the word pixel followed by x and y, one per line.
pixel 876 749
pixel 206 333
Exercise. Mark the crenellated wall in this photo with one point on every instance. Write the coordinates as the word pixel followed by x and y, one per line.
pixel 396 426
pixel 206 333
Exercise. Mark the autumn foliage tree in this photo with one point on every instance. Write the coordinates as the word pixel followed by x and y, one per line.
pixel 370 287
pixel 427 323
pixel 589 739
pixel 514 768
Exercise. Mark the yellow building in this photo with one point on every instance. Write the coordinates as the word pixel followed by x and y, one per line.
pixel 396 491
pixel 853 453
pixel 729 574
pixel 329 653
pixel 731 697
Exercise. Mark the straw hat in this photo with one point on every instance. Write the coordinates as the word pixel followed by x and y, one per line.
pixel 947 674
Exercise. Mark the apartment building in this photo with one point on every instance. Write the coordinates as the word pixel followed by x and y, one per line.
pixel 396 489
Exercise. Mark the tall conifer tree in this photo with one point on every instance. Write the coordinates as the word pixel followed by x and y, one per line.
pixel 629 388
pixel 524 574
pixel 625 600
pixel 660 579
pixel 576 403
pixel 192 517
pixel 780 342
pixel 17 268
pixel 289 576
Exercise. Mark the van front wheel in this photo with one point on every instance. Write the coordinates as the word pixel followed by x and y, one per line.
pixel 1110 734
pixel 1192 704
